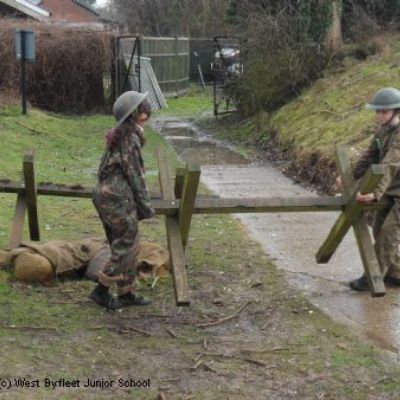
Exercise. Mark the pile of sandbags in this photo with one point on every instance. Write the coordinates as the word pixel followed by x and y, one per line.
pixel 45 262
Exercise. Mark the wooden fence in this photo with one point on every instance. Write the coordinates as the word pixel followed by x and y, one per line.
pixel 170 59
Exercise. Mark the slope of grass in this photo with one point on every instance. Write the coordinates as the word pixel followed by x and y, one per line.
pixel 329 113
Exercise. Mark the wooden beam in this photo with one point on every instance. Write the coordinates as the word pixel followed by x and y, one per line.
pixel 360 227
pixel 207 204
pixel 191 184
pixel 174 236
pixel 269 205
pixel 54 189
pixel 349 215
pixel 31 195
pixel 18 222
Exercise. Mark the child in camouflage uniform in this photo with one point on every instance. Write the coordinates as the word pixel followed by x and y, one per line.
pixel 385 150
pixel 121 200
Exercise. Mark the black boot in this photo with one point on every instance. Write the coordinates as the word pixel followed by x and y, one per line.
pixel 391 281
pixel 102 297
pixel 360 284
pixel 131 299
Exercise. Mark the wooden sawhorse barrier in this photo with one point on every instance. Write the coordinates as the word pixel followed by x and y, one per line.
pixel 179 202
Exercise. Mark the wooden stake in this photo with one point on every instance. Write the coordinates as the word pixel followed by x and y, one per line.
pixel 31 195
pixel 179 182
pixel 349 215
pixel 18 222
pixel 191 184
pixel 174 236
pixel 360 228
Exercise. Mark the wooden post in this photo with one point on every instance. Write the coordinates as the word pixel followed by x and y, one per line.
pixel 174 236
pixel 179 182
pixel 191 184
pixel 18 222
pixel 349 214
pixel 31 195
pixel 360 228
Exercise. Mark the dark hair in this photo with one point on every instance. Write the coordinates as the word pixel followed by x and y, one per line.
pixel 144 107
pixel 113 136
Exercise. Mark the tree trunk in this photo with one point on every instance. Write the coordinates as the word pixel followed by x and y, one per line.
pixel 334 39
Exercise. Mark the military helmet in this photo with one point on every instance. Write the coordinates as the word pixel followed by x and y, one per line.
pixel 126 104
pixel 385 99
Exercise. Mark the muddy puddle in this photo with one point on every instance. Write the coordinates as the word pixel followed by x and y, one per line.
pixel 196 147
pixel 291 240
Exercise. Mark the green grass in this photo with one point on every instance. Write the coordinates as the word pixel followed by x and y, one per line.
pixel 195 103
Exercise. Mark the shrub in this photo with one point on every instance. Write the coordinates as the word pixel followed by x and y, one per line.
pixel 69 69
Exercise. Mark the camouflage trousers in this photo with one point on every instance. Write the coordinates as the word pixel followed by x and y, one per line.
pixel 386 229
pixel 120 223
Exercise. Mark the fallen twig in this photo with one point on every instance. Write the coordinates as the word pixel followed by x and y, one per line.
pixel 153 285
pixel 30 327
pixel 38 132
pixel 256 362
pixel 197 365
pixel 98 327
pixel 121 329
pixel 171 332
pixel 138 330
pixel 234 356
pixel 225 319
pixel 272 350
pixel 208 368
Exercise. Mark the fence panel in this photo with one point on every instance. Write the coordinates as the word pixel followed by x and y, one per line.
pixel 170 59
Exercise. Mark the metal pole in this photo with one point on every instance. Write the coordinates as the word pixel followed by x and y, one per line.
pixel 215 84
pixel 118 70
pixel 129 67
pixel 139 64
pixel 23 72
pixel 177 63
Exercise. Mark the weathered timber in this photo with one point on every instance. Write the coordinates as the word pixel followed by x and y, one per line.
pixel 360 227
pixel 174 236
pixel 178 261
pixel 349 214
pixel 268 205
pixel 179 180
pixel 189 194
pixel 205 204
pixel 54 189
pixel 31 195
pixel 18 222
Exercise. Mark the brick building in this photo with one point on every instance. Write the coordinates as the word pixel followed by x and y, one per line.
pixel 69 11
pixel 52 11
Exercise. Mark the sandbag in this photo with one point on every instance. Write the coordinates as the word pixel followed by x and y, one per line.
pixel 33 268
pixel 153 260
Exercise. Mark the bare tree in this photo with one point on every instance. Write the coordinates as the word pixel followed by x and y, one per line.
pixel 173 17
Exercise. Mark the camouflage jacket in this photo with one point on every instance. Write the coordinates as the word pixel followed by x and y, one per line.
pixel 384 149
pixel 121 174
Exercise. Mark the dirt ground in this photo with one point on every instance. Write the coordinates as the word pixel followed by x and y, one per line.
pixel 246 335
